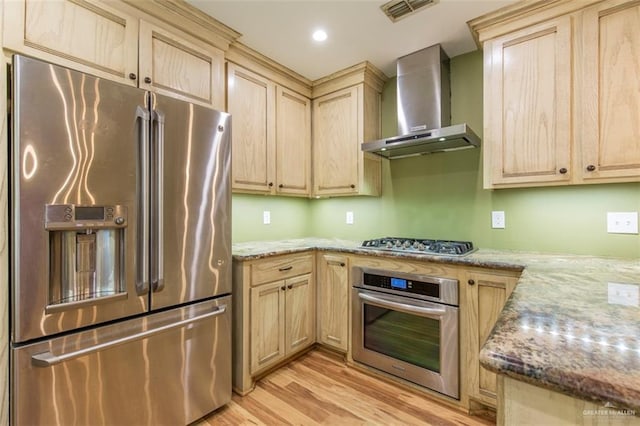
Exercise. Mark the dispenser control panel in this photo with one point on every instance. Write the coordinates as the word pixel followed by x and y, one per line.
pixel 71 216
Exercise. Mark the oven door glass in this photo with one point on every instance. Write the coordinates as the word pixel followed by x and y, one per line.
pixel 404 336
pixel 414 339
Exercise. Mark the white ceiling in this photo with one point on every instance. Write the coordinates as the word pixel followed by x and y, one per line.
pixel 358 30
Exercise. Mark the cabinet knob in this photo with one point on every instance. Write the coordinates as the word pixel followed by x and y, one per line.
pixel 352 186
pixel 283 288
pixel 147 80
pixel 286 268
pixel 342 264
pixel 270 184
pixel 591 168
pixel 281 186
pixel 132 76
pixel 471 282
pixel 563 170
pixel 290 286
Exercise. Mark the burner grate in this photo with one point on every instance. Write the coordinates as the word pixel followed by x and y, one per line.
pixel 420 245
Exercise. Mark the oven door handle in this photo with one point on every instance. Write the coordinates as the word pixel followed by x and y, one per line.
pixel 403 307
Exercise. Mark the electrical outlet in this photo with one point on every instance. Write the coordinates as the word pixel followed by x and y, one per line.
pixel 622 222
pixel 623 294
pixel 349 218
pixel 266 217
pixel 497 220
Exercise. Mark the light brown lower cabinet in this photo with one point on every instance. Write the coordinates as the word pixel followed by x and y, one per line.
pixel 524 404
pixel 282 320
pixel 267 325
pixel 333 301
pixel 281 307
pixel 486 293
pixel 274 308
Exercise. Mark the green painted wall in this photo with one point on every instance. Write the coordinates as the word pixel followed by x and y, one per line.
pixel 289 218
pixel 441 196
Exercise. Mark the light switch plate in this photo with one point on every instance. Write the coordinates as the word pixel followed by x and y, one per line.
pixel 622 222
pixel 266 217
pixel 497 220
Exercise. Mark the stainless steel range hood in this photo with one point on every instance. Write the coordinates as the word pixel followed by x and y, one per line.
pixel 424 109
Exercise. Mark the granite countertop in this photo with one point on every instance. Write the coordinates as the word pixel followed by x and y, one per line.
pixel 482 258
pixel 571 325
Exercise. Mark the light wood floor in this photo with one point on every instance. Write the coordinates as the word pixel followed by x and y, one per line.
pixel 319 389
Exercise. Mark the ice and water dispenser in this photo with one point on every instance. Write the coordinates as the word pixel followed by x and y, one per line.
pixel 86 253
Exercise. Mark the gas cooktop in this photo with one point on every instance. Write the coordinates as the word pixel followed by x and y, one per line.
pixel 425 246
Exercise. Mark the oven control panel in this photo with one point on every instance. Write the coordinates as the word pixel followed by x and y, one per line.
pixel 419 286
pixel 402 284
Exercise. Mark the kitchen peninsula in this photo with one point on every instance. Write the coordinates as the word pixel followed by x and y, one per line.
pixel 570 325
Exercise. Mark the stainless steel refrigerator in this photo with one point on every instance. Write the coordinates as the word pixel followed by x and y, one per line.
pixel 120 252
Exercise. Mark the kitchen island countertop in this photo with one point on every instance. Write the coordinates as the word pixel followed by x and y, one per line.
pixel 571 325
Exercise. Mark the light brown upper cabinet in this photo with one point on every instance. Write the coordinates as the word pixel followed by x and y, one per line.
pixel 250 102
pixel 175 64
pixel 271 135
pixel 561 93
pixel 89 36
pixel 346 113
pixel 293 143
pixel 528 105
pixel 609 97
pixel 336 136
pixel 115 41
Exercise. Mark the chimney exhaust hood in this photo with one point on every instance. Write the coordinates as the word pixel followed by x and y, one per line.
pixel 424 109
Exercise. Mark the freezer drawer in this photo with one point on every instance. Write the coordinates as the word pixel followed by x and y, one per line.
pixel 169 368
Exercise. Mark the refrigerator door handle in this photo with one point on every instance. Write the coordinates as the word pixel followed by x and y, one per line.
pixel 47 359
pixel 142 274
pixel 157 215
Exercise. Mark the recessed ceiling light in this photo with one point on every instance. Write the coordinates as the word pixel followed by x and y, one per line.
pixel 319 35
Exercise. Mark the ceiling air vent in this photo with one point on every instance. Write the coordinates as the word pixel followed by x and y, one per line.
pixel 398 9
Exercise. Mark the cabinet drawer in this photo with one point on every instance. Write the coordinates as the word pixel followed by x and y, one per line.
pixel 280 268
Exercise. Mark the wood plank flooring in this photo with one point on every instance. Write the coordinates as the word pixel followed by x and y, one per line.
pixel 319 389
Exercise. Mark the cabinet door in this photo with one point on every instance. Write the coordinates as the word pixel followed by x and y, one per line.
pixel 333 301
pixel 336 142
pixel 267 325
pixel 528 106
pixel 293 143
pixel 610 93
pixel 251 103
pixel 85 35
pixel 300 313
pixel 486 296
pixel 178 65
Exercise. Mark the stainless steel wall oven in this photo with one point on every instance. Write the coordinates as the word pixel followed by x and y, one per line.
pixel 407 325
